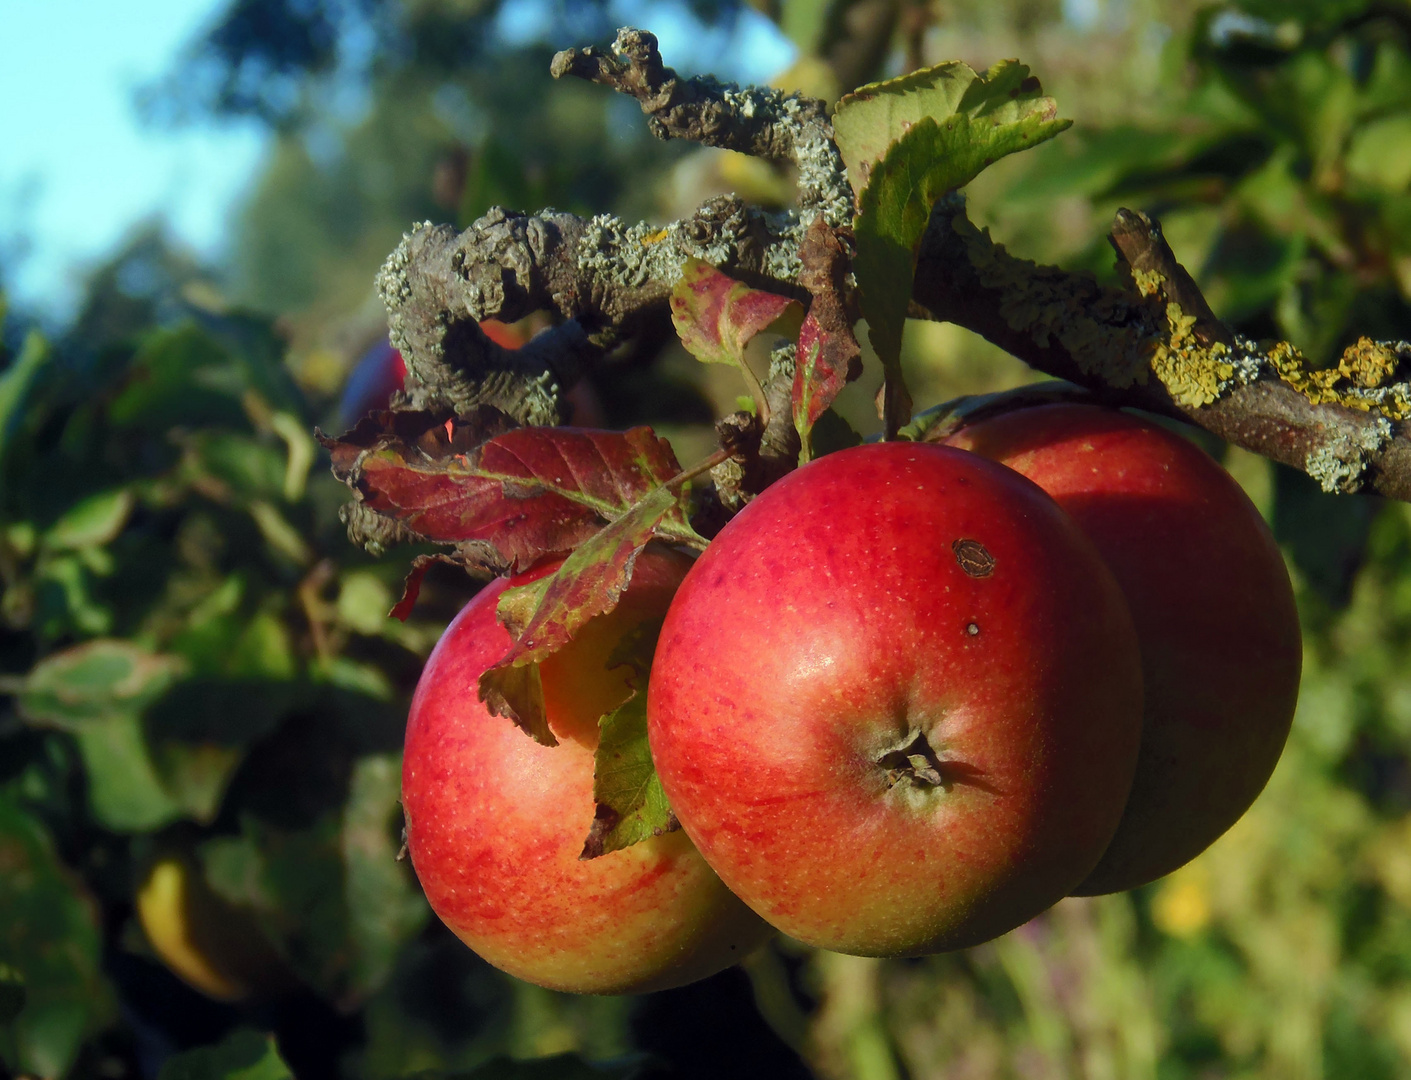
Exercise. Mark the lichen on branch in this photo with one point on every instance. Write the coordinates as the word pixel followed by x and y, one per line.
pixel 1158 346
pixel 1154 344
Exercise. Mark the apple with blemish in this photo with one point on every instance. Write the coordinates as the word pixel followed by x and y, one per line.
pixel 496 821
pixel 897 702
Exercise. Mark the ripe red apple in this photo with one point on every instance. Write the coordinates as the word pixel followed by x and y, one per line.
pixel 496 821
pixel 1214 612
pixel 897 702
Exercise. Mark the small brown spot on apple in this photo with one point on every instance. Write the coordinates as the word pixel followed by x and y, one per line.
pixel 974 558
pixel 973 629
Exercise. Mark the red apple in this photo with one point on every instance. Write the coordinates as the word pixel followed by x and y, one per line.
pixel 496 821
pixel 897 702
pixel 379 374
pixel 1214 612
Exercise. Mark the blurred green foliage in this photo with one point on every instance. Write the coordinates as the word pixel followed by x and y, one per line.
pixel 196 665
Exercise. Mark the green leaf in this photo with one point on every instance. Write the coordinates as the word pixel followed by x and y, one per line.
pixel 833 433
pixel 986 108
pixel 589 583
pixel 95 681
pixel 124 787
pixel 716 316
pixel 907 143
pixel 557 1067
pixel 12 993
pixel 95 520
pixel 242 1055
pixel 50 939
pixel 630 803
pixel 15 383
pixel 384 909
pixel 331 897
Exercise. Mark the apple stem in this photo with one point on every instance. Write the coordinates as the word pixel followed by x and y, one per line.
pixel 695 470
pixel 761 401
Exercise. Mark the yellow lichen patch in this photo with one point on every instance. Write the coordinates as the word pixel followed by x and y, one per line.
pixel 1363 378
pixel 1148 282
pixel 1192 374
pixel 1368 364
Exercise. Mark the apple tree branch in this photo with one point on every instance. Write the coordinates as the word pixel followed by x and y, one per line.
pixel 1154 344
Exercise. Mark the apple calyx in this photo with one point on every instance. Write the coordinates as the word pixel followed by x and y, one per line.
pixel 915 762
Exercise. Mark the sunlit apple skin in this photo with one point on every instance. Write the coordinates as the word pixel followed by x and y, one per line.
pixel 496 821
pixel 832 619
pixel 1213 607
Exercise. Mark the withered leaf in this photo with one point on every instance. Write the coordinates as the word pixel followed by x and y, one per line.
pixel 828 355
pixel 529 492
pixel 475 557
pixel 716 316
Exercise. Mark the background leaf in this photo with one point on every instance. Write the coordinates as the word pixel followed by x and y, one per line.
pixel 330 895
pixel 49 935
pixel 12 993
pixel 15 382
pixel 95 520
pixel 557 1067
pixel 94 681
pixel 124 786
pixel 242 1055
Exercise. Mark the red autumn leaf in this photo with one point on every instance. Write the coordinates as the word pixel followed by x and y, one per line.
pixel 548 612
pixel 716 316
pixel 529 492
pixel 465 556
pixel 828 355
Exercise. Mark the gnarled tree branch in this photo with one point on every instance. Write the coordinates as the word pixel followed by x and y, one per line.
pixel 1156 345
pixel 1159 347
pixel 602 273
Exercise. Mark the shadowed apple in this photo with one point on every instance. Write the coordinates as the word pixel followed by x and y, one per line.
pixel 1213 607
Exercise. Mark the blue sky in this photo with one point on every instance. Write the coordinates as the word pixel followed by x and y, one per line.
pixel 79 170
